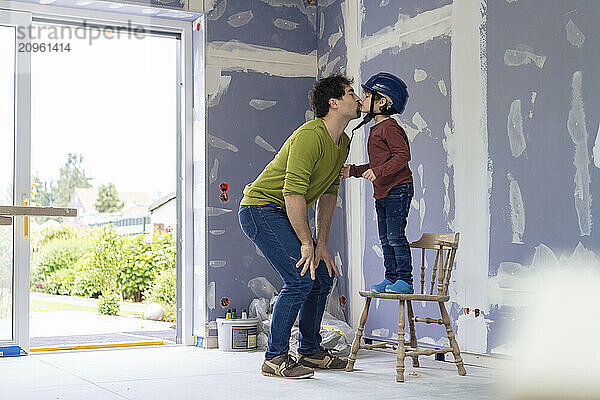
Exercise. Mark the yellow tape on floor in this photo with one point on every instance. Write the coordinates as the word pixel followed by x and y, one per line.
pixel 98 346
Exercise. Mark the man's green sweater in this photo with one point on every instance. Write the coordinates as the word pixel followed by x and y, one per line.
pixel 308 164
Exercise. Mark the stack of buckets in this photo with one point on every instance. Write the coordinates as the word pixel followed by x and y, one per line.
pixel 237 334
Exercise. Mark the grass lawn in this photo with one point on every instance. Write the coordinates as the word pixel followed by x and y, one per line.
pixel 42 305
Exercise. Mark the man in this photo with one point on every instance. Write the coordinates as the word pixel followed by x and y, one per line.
pixel 273 214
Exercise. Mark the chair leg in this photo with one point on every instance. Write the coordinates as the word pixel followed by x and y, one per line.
pixel 358 336
pixel 453 343
pixel 400 350
pixel 413 335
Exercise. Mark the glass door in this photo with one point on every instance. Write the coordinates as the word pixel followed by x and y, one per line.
pixel 14 180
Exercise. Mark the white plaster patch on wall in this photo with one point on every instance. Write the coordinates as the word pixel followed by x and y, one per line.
pixel 216 211
pixel 217 232
pixel 420 172
pixel 260 104
pixel 217 9
pixel 309 115
pixel 259 252
pixel 421 211
pixel 414 203
pixel 285 24
pixel 334 37
pixel 450 145
pixel 218 263
pixel 211 295
pixel 417 121
pixel 407 32
pixel 380 332
pixel 221 144
pixel 240 19
pixel 216 84
pixel 514 127
pixel 338 263
pixel 578 131
pixel 309 11
pixel 471 175
pixel 377 249
pixel 574 34
pixel 261 287
pixel 321 24
pixel 517 210
pixel 533 97
pixel 322 61
pixel 596 149
pixel 214 171
pixel 442 87
pixel 511 1
pixel 237 56
pixel 264 144
pixel 523 55
pixel 331 65
pixel 420 75
pixel 384 3
pixel 446 196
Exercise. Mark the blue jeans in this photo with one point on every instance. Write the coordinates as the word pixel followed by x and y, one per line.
pixel 392 213
pixel 270 230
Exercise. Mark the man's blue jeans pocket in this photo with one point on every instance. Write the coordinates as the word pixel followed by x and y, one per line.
pixel 247 222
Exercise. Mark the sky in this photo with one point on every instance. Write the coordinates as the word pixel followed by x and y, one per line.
pixel 114 102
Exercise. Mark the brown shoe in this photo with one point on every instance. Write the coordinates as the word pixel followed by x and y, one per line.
pixel 323 359
pixel 284 366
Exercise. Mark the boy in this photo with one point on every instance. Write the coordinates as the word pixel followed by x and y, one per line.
pixel 389 154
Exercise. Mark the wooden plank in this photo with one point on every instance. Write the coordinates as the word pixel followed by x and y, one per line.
pixel 38 211
pixel 5 220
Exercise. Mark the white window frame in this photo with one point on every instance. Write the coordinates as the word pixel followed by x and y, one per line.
pixel 184 140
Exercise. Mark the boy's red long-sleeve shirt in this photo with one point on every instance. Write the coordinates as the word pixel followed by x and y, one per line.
pixel 389 154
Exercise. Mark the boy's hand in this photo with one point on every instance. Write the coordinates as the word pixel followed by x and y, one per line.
pixel 345 171
pixel 369 174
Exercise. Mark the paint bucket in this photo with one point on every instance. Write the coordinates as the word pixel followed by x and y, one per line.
pixel 237 334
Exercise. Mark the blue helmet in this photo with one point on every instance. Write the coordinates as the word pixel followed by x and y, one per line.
pixel 391 86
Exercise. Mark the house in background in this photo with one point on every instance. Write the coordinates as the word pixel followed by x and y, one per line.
pixel 132 219
pixel 163 213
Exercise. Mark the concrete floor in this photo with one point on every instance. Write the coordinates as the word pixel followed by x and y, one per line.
pixel 176 372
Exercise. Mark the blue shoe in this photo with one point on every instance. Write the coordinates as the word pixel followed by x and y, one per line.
pixel 399 287
pixel 380 287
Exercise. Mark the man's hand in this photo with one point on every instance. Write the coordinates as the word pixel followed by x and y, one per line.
pixel 307 253
pixel 345 171
pixel 322 253
pixel 369 174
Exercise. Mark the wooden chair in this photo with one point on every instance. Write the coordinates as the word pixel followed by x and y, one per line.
pixel 445 246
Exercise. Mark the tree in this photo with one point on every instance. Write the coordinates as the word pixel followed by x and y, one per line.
pixel 108 199
pixel 72 176
pixel 41 192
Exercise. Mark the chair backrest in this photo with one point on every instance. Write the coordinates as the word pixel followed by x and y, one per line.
pixel 445 246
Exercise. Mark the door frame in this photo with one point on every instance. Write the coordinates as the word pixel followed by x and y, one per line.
pixel 184 179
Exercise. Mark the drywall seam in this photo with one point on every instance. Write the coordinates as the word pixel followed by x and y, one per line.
pixel 472 179
pixel 352 11
pixel 407 32
pixel 237 56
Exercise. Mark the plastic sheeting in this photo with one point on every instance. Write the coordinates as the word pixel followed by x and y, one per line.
pixel 336 334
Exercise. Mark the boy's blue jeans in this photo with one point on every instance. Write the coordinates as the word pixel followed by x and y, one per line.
pixel 392 213
pixel 269 228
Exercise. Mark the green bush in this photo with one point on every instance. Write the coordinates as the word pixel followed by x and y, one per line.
pixel 43 237
pixel 59 282
pixel 109 304
pixel 146 256
pixel 107 257
pixel 58 254
pixel 87 282
pixel 164 291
